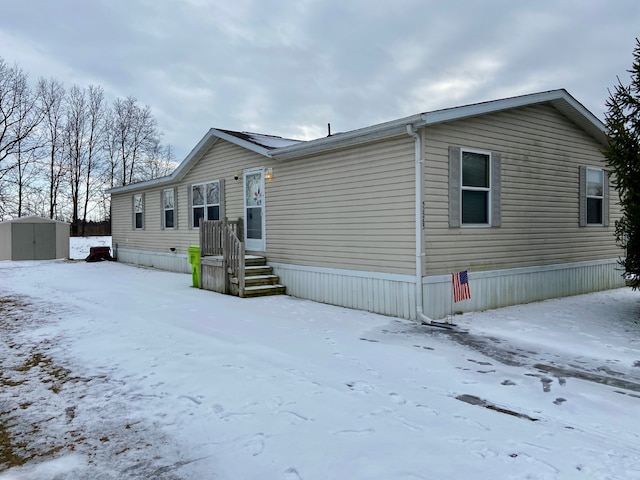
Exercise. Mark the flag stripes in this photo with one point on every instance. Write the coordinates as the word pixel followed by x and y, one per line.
pixel 460 282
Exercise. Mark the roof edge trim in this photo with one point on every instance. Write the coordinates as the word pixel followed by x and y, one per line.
pixel 196 153
pixel 341 140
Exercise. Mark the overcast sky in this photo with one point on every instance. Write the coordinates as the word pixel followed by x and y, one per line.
pixel 290 67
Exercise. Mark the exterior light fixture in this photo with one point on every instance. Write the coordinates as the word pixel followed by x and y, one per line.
pixel 268 174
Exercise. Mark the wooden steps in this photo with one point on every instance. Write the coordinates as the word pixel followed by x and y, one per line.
pixel 255 270
pixel 264 290
pixel 259 279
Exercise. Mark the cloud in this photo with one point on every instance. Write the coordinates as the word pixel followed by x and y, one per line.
pixel 291 68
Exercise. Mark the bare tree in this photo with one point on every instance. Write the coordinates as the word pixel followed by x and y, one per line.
pixel 133 134
pixel 75 146
pixel 25 181
pixel 160 161
pixel 17 114
pixel 24 173
pixel 96 111
pixel 51 94
pixel 59 149
pixel 5 197
pixel 110 148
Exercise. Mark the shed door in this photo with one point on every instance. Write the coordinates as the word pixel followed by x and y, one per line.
pixel 33 241
pixel 254 218
pixel 44 246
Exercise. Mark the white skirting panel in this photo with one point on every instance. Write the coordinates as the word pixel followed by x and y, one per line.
pixel 501 288
pixel 388 294
pixel 394 294
pixel 172 262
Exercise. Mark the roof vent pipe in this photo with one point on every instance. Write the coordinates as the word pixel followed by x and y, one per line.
pixel 328 129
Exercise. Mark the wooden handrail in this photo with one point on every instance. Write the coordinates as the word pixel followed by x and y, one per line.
pixel 234 257
pixel 226 239
pixel 211 235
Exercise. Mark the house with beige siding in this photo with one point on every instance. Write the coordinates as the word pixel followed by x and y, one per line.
pixel 515 191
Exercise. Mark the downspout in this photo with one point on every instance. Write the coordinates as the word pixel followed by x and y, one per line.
pixel 418 211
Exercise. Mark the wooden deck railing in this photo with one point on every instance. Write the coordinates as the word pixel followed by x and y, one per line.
pixel 212 235
pixel 234 257
pixel 226 239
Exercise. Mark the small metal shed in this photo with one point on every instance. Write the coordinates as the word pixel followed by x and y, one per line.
pixel 34 238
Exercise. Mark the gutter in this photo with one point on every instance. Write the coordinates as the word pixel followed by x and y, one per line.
pixel 411 130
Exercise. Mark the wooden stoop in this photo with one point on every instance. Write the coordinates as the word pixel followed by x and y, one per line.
pixel 259 279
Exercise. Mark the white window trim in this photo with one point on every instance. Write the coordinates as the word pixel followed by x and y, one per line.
pixel 205 205
pixel 135 225
pixel 165 210
pixel 599 197
pixel 477 189
pixel 582 198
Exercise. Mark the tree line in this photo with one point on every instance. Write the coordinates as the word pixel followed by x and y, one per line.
pixel 62 147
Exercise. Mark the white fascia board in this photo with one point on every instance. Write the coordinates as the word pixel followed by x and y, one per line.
pixel 347 139
pixel 196 154
pixel 139 185
pixel 559 99
pixel 241 143
pixel 465 111
pixel 581 116
pixel 181 170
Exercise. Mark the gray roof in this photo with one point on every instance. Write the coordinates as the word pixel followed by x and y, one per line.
pixel 283 148
pixel 256 142
pixel 267 142
pixel 560 99
pixel 34 219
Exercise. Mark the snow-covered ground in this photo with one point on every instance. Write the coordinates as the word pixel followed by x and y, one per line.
pixel 114 372
pixel 79 246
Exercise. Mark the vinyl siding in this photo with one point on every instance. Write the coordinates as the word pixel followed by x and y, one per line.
pixel 346 209
pixel 349 209
pixel 541 153
pixel 222 161
pixel 152 237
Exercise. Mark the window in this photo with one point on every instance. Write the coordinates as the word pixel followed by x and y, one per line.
pixel 205 202
pixel 594 197
pixel 168 208
pixel 138 211
pixel 474 187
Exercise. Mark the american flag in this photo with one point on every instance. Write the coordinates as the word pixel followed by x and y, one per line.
pixel 460 282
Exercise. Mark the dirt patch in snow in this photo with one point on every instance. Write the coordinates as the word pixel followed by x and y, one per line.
pixel 50 410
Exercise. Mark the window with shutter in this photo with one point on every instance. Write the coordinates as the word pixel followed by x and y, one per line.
pixel 474 188
pixel 206 202
pixel 168 208
pixel 138 211
pixel 594 196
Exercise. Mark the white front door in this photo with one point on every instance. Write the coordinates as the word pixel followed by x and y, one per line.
pixel 254 218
